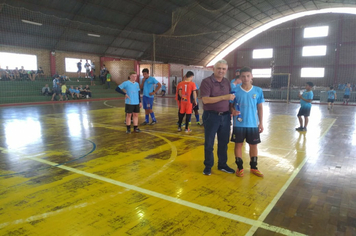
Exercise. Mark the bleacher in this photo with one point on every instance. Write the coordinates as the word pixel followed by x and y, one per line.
pixel 30 91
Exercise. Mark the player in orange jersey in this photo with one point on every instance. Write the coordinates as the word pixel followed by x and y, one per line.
pixel 188 95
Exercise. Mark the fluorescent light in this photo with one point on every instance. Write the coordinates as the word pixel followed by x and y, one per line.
pixel 271 24
pixel 94 35
pixel 31 22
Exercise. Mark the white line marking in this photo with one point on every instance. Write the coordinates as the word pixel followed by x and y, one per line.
pixel 270 206
pixel 173 199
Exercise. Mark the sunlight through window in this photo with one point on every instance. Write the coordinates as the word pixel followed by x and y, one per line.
pixel 314 32
pixel 310 72
pixel 309 51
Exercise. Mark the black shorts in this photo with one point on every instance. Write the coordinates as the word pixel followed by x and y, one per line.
pixel 304 111
pixel 252 135
pixel 347 96
pixel 132 108
pixel 331 100
pixel 196 108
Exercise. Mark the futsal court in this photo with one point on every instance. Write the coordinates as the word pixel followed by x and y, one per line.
pixel 70 169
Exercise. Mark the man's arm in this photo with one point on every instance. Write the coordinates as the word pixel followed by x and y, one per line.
pixel 260 117
pixel 211 100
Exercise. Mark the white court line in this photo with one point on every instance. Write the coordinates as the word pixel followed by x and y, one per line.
pixel 209 210
pixel 283 189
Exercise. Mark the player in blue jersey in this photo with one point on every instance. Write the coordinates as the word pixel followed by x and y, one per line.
pixel 331 98
pixel 148 86
pixel 164 88
pixel 347 93
pixel 236 81
pixel 305 106
pixel 131 90
pixel 248 120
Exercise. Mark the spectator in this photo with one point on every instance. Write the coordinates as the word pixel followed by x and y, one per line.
pixel 56 88
pixel 108 79
pixel 2 74
pixel 40 73
pixel 92 78
pixel 92 66
pixel 31 75
pixel 9 74
pixel 64 92
pixel 22 73
pixel 46 90
pixel 77 92
pixel 73 92
pixel 16 73
pixel 87 68
pixel 81 91
pixel 103 73
pixel 79 66
pixel 87 91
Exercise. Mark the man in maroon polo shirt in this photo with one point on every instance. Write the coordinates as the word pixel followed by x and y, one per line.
pixel 215 93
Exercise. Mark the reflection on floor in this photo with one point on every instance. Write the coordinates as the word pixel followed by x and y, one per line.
pixel 70 169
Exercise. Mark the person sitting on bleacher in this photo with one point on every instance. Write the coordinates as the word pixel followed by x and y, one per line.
pixel 73 93
pixel 40 72
pixel 23 73
pixel 16 73
pixel 81 91
pixel 87 91
pixel 9 74
pixel 32 75
pixel 46 90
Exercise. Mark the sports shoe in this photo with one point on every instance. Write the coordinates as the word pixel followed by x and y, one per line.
pixel 188 130
pixel 256 172
pixel 153 122
pixel 144 123
pixel 226 169
pixel 207 171
pixel 198 123
pixel 179 129
pixel 137 130
pixel 299 129
pixel 128 131
pixel 239 173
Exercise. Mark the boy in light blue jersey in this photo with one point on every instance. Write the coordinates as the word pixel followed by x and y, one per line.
pixel 347 93
pixel 247 106
pixel 148 86
pixel 131 90
pixel 331 97
pixel 236 81
pixel 164 88
pixel 305 106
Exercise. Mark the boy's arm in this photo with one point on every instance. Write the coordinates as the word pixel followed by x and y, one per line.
pixel 157 88
pixel 335 95
pixel 180 92
pixel 260 117
pixel 195 96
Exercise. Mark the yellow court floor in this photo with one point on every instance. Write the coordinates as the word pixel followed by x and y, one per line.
pixel 70 169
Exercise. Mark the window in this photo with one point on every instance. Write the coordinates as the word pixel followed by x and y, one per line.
pixel 262 53
pixel 262 73
pixel 311 72
pixel 313 32
pixel 314 51
pixel 13 60
pixel 71 64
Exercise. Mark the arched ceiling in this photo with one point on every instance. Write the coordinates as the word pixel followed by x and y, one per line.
pixel 188 32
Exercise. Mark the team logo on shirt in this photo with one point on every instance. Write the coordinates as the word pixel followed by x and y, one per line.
pixel 254 96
